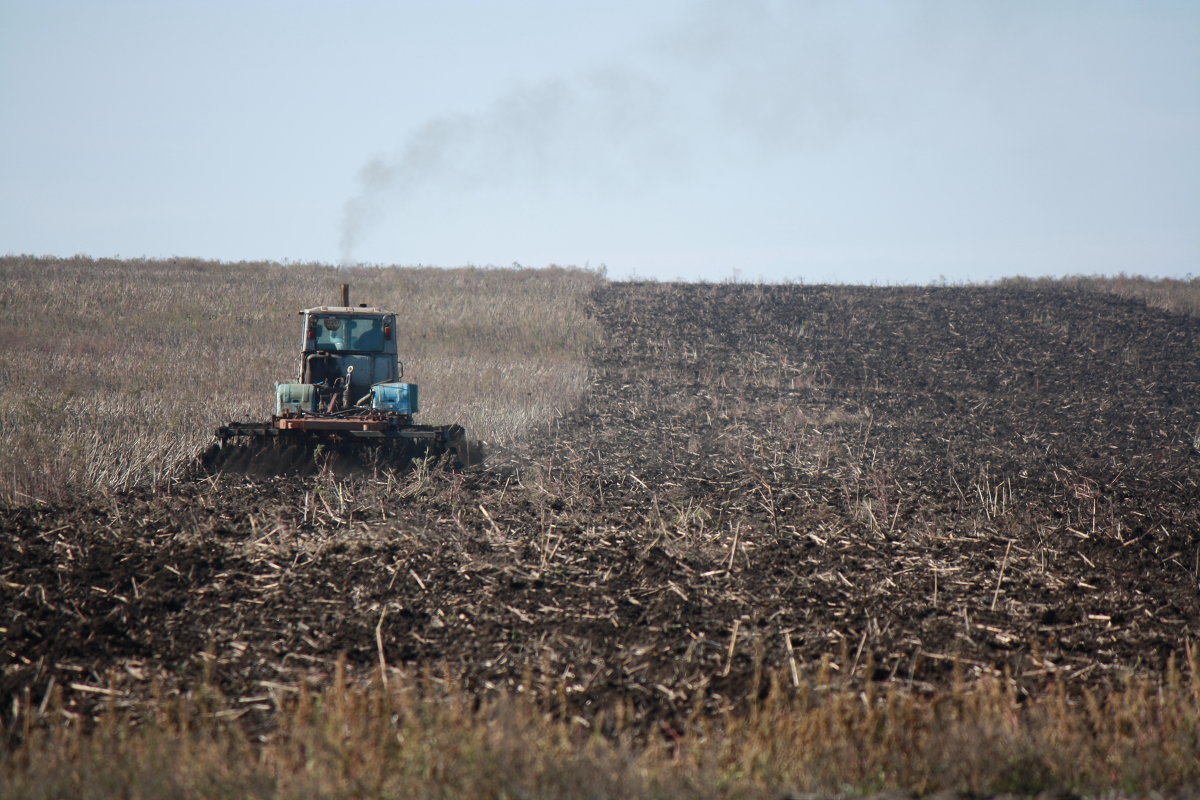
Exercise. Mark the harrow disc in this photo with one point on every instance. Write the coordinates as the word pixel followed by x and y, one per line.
pixel 264 457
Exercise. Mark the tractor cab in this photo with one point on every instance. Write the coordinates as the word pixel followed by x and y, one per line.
pixel 328 331
pixel 347 363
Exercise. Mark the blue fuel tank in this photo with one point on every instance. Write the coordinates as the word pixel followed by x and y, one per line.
pixel 400 398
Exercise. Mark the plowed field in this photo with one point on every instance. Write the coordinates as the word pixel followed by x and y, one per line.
pixel 761 478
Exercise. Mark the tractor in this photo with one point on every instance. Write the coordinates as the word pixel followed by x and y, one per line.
pixel 347 410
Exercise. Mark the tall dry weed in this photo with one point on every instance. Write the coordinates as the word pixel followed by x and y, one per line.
pixel 424 735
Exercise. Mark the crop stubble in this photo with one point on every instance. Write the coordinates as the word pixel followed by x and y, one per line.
pixel 761 479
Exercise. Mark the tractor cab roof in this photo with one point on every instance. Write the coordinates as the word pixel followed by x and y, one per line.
pixel 363 311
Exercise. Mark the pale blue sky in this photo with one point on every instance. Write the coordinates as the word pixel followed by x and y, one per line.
pixel 845 140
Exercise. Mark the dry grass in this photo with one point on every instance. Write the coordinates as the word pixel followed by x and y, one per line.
pixel 424 737
pixel 1181 296
pixel 114 373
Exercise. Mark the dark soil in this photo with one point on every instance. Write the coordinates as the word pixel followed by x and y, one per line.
pixel 761 478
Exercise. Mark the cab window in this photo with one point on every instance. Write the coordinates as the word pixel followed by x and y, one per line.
pixel 346 333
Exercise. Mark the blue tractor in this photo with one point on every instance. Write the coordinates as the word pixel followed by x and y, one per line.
pixel 348 408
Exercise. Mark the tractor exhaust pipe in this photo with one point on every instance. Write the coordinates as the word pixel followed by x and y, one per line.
pixel 345 295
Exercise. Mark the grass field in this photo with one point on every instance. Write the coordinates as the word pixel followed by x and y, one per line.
pixel 1178 295
pixel 115 373
pixel 752 541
